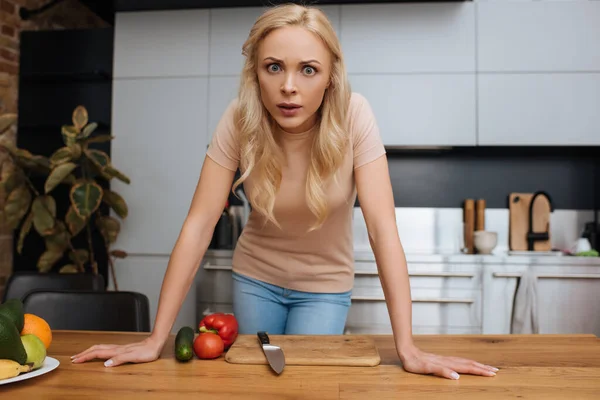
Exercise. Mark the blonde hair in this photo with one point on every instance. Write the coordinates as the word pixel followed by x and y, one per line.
pixel 260 153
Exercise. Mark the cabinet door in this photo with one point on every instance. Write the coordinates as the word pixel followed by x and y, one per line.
pixel 499 288
pixel 568 300
pixel 539 109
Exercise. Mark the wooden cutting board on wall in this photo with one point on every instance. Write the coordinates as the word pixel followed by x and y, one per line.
pixel 336 350
pixel 519 221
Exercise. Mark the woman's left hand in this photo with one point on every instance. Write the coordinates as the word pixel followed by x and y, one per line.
pixel 419 362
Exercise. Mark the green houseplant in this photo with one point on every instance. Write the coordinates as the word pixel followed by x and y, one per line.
pixel 86 171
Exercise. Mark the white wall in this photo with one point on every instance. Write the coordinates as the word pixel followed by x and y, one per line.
pixel 486 72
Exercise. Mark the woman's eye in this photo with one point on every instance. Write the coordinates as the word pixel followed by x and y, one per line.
pixel 273 67
pixel 309 70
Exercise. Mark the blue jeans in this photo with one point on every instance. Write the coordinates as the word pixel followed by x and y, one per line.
pixel 260 306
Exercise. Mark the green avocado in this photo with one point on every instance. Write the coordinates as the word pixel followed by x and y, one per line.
pixel 13 310
pixel 11 346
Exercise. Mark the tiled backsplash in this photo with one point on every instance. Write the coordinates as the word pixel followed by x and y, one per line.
pixel 440 230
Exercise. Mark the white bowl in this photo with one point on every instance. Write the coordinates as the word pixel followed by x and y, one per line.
pixel 485 241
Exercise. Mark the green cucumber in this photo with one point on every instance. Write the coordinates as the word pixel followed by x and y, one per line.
pixel 184 342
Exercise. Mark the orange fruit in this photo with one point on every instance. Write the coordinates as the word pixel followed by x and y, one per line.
pixel 39 327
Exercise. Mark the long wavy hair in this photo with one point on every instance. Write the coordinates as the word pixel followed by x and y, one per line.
pixel 261 156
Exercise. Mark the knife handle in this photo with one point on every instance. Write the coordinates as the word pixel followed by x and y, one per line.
pixel 263 337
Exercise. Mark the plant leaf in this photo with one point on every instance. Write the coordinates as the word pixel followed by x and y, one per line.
pixel 69 134
pixel 99 158
pixel 118 253
pixel 59 239
pixel 48 259
pixel 25 228
pixel 86 198
pixel 16 206
pixel 109 227
pixel 87 131
pixel 44 214
pixel 114 173
pixel 74 221
pixel 100 139
pixel 80 117
pixel 6 121
pixel 62 155
pixel 79 256
pixel 116 202
pixel 68 269
pixel 57 175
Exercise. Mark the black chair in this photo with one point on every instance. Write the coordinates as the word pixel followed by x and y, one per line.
pixel 90 311
pixel 20 283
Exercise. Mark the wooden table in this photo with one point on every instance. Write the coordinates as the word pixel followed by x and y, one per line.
pixel 531 366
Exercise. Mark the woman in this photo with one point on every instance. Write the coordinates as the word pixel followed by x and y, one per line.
pixel 306 146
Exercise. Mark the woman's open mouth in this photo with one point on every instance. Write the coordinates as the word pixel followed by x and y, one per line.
pixel 289 109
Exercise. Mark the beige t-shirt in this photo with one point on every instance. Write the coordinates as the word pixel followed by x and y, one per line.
pixel 291 257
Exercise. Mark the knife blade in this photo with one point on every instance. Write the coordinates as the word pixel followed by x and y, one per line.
pixel 273 353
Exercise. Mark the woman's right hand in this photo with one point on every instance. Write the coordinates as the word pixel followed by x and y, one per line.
pixel 145 351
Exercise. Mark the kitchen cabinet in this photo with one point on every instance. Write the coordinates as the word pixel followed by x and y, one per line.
pixel 539 109
pixel 476 296
pixel 421 110
pixel 568 299
pixel 500 284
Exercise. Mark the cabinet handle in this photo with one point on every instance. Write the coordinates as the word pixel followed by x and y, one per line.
pixel 429 274
pixel 548 276
pixel 217 267
pixel 418 300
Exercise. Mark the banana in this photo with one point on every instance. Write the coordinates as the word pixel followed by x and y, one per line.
pixel 10 368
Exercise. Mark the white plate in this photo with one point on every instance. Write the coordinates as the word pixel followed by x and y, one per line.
pixel 49 365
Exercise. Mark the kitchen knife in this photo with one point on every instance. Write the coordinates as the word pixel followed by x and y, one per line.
pixel 273 353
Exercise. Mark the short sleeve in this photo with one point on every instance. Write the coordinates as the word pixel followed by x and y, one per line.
pixel 366 140
pixel 224 148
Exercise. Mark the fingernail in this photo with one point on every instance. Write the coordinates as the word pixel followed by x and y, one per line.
pixel 108 363
pixel 493 368
pixel 73 360
pixel 72 357
pixel 454 375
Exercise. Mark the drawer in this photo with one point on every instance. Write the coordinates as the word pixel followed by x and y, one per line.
pixel 425 276
pixel 461 308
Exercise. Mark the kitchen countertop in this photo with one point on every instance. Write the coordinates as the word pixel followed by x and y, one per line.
pixel 531 366
pixel 495 259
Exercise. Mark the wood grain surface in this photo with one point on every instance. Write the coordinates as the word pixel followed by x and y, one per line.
pixel 531 367
pixel 519 221
pixel 342 350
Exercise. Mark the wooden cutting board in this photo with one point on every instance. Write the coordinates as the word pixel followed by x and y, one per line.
pixel 519 221
pixel 338 350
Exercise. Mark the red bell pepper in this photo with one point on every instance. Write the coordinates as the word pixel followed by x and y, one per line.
pixel 224 325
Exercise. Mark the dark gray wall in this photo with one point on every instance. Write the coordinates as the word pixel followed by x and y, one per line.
pixel 446 178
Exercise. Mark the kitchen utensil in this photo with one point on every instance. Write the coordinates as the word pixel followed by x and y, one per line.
pixel 332 350
pixel 273 353
pixel 518 204
pixel 480 215
pixel 469 221
pixel 485 241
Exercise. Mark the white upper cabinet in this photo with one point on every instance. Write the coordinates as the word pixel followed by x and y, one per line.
pixel 539 109
pixel 161 43
pixel 421 110
pixel 229 28
pixel 539 73
pixel 160 143
pixel 397 38
pixel 538 36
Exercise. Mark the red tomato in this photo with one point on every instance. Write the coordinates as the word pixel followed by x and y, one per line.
pixel 208 345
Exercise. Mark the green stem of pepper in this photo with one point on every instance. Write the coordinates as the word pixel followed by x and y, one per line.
pixel 203 329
